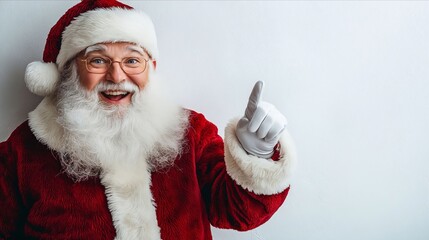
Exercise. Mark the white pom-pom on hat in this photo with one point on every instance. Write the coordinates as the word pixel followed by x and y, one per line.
pixel 42 78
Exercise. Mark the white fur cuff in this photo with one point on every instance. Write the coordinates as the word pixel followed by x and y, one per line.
pixel 259 175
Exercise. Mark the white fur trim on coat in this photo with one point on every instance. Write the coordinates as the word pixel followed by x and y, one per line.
pixel 107 25
pixel 259 175
pixel 130 201
pixel 41 78
pixel 43 124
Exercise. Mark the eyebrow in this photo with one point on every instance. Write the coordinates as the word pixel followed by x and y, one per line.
pixel 136 49
pixel 94 48
pixel 102 47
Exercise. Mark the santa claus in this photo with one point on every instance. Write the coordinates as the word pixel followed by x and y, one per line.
pixel 106 155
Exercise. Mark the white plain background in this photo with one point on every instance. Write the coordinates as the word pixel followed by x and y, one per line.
pixel 351 77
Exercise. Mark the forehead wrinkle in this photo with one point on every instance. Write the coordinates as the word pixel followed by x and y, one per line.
pixel 94 48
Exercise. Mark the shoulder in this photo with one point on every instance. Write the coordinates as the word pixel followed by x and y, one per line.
pixel 198 121
pixel 201 130
pixel 21 137
pixel 15 142
pixel 21 133
pixel 195 116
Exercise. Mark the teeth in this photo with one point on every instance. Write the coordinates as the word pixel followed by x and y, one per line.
pixel 116 92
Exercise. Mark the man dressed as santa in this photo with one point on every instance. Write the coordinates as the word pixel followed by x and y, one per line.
pixel 106 155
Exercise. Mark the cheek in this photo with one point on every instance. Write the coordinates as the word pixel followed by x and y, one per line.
pixel 88 80
pixel 140 80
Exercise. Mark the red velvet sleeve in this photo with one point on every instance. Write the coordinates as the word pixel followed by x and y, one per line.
pixel 12 210
pixel 228 204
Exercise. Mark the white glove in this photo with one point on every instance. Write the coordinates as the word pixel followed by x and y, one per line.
pixel 260 129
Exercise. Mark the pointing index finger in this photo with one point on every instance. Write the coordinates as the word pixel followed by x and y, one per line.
pixel 254 99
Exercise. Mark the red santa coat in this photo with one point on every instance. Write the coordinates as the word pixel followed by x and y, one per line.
pixel 211 183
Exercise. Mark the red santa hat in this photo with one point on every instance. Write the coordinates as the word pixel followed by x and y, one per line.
pixel 85 24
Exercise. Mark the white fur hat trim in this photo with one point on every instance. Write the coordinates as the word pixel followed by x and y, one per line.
pixel 107 25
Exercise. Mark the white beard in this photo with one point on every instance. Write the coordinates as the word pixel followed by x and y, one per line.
pixel 98 137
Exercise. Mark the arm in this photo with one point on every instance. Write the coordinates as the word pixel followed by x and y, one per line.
pixel 232 199
pixel 11 214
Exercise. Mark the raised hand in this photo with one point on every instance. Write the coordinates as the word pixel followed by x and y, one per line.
pixel 260 128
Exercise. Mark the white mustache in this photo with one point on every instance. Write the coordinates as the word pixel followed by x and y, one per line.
pixel 123 86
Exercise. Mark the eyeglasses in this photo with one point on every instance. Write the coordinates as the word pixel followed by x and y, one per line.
pixel 130 65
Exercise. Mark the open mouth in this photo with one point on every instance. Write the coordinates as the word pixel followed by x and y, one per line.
pixel 115 95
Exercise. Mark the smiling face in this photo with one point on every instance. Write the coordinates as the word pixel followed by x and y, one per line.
pixel 116 57
pixel 107 121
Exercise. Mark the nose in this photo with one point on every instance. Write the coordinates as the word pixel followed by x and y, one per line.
pixel 115 73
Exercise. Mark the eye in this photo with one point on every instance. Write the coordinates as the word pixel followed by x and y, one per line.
pixel 131 61
pixel 97 61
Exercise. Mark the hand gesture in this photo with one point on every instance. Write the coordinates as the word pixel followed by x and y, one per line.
pixel 260 128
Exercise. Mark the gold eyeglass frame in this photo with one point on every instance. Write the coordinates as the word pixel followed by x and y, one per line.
pixel 110 65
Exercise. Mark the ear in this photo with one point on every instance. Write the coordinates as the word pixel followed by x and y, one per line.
pixel 154 64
